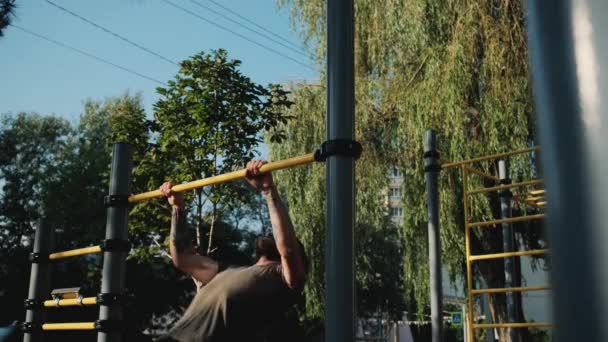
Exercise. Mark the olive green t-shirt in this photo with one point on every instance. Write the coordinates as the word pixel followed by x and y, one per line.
pixel 238 304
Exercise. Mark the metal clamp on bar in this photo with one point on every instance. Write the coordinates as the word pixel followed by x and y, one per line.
pixel 33 303
pixel 106 325
pixel 110 298
pixel 116 201
pixel 37 258
pixel 115 245
pixel 29 327
pixel 432 166
pixel 340 147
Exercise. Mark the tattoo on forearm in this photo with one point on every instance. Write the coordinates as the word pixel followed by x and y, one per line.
pixel 180 234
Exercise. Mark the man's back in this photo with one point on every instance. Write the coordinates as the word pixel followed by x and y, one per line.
pixel 237 304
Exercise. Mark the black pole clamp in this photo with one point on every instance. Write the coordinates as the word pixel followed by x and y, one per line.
pixel 108 325
pixel 115 245
pixel 30 327
pixel 116 201
pixel 339 147
pixel 33 303
pixel 433 164
pixel 38 258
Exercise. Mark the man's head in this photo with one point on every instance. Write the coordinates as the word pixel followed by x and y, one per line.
pixel 266 246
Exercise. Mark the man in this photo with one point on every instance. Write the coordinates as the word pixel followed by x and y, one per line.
pixel 238 304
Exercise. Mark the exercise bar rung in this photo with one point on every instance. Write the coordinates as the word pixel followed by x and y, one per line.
pixel 536 192
pixel 75 252
pixel 278 165
pixel 70 302
pixel 510 289
pixel 505 186
pixel 507 254
pixel 512 325
pixel 507 220
pixel 494 156
pixel 69 326
pixel 541 203
pixel 534 198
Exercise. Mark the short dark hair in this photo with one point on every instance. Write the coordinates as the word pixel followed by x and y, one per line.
pixel 266 246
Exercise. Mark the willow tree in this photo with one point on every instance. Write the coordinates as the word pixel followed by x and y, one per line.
pixel 459 67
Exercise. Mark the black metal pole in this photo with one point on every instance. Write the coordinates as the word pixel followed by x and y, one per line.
pixel 339 264
pixel 569 51
pixel 432 167
pixel 40 281
pixel 508 245
pixel 114 263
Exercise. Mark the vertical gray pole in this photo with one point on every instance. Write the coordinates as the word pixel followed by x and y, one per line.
pixel 508 245
pixel 432 168
pixel 339 264
pixel 569 54
pixel 113 276
pixel 39 280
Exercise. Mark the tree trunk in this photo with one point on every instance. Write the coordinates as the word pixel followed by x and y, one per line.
pixel 211 227
pixel 199 221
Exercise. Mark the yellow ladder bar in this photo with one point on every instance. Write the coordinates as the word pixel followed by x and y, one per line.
pixel 507 220
pixel 505 186
pixel 537 192
pixel 507 254
pixel 512 325
pixel 494 156
pixel 287 163
pixel 511 289
pixel 69 326
pixel 75 252
pixel 467 229
pixel 70 302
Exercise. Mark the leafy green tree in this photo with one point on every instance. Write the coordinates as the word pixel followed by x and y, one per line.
pixel 7 10
pixel 459 67
pixel 209 121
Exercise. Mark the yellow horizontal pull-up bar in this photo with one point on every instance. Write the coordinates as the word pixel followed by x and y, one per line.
pixel 505 186
pixel 507 220
pixel 494 156
pixel 278 165
pixel 507 254
pixel 75 252
pixel 69 326
pixel 512 325
pixel 70 302
pixel 537 192
pixel 510 289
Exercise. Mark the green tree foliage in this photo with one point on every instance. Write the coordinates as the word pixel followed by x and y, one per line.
pixel 209 121
pixel 7 10
pixel 459 67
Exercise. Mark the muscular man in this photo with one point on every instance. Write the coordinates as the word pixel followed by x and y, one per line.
pixel 238 304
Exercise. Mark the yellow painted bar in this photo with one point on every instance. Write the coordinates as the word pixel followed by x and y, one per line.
pixel 283 164
pixel 541 203
pixel 512 325
pixel 524 201
pixel 512 289
pixel 534 198
pixel 70 302
pixel 494 156
pixel 75 252
pixel 507 254
pixel 69 326
pixel 507 220
pixel 505 186
pixel 473 170
pixel 537 192
pixel 467 240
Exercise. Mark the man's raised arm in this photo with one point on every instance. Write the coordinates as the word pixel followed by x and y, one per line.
pixel 292 257
pixel 183 253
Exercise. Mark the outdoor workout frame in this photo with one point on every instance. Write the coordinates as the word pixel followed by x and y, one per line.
pixel 503 188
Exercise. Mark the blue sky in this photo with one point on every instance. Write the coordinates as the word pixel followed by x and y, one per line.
pixel 41 77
